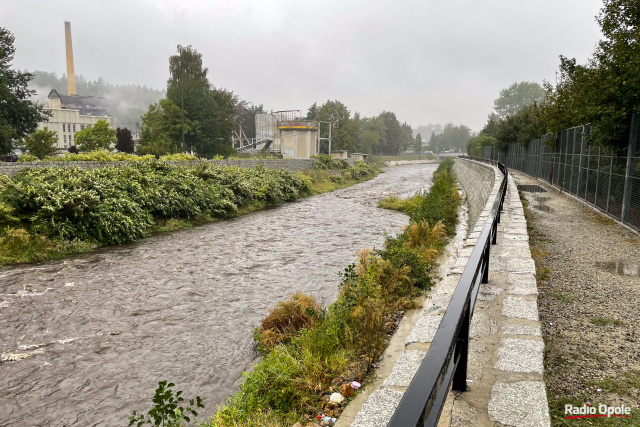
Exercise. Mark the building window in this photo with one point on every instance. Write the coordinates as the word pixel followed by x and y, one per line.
pixel 74 128
pixel 81 127
pixel 65 139
pixel 64 127
pixel 65 146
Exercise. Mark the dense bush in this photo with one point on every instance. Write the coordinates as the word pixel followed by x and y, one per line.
pixel 97 156
pixel 119 205
pixel 324 161
pixel 441 202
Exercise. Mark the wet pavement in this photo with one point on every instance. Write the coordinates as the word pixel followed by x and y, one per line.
pixel 85 339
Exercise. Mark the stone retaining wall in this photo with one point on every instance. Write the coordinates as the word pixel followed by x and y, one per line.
pixel 477 180
pixel 11 169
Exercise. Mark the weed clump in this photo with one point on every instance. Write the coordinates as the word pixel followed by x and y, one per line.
pixel 286 319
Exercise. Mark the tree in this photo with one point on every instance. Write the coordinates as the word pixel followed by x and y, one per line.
pixel 603 92
pixel 393 133
pixel 433 142
pixel 407 137
pixel 162 128
pixel 19 116
pixel 98 136
pixel 371 135
pixel 452 138
pixel 210 111
pixel 41 143
pixel 417 144
pixel 516 97
pixel 343 128
pixel 124 139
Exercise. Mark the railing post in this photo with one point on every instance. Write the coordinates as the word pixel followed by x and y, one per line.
pixel 485 261
pixel 573 153
pixel 633 140
pixel 459 381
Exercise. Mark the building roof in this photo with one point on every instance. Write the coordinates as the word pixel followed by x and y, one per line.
pixel 88 105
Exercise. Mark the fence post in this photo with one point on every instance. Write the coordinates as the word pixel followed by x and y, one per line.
pixel 595 199
pixel 633 140
pixel 586 178
pixel 580 160
pixel 610 177
pixel 573 152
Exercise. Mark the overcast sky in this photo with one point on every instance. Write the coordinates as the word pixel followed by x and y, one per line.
pixel 428 61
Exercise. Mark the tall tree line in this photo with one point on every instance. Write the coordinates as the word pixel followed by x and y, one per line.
pixel 604 92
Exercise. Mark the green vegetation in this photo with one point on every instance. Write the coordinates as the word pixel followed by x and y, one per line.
pixel 167 411
pixel 100 136
pixel 51 208
pixel 604 321
pixel 603 92
pixel 381 134
pixel 41 143
pixel 49 212
pixel 19 116
pixel 309 350
pixel 329 174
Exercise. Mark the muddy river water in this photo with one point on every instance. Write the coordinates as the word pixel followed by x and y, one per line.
pixel 94 333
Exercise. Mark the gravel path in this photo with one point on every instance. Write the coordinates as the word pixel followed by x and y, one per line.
pixel 588 270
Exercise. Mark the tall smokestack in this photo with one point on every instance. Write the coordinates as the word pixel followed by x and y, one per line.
pixel 71 77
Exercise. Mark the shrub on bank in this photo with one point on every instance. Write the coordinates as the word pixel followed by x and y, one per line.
pixel 345 339
pixel 120 205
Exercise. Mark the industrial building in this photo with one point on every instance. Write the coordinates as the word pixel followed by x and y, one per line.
pixel 72 112
pixel 282 132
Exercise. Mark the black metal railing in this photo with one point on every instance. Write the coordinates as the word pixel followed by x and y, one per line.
pixel 445 364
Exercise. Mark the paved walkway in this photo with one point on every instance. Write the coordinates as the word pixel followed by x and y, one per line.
pixel 505 376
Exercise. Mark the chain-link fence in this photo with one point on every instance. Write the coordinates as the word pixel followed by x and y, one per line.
pixel 608 180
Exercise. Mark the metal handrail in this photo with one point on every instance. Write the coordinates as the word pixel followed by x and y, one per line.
pixel 445 364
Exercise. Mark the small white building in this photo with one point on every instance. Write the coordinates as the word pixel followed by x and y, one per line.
pixel 73 113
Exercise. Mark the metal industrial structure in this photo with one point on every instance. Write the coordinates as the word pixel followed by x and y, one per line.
pixel 284 132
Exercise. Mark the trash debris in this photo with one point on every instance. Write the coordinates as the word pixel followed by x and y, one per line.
pixel 355 385
pixel 336 398
pixel 329 421
pixel 346 390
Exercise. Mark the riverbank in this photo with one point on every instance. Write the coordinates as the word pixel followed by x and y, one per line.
pixel 180 306
pixel 313 355
pixel 588 275
pixel 50 212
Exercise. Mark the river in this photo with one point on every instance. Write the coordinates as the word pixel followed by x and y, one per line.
pixel 94 333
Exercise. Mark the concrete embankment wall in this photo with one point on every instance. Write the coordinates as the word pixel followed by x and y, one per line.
pixel 11 169
pixel 477 181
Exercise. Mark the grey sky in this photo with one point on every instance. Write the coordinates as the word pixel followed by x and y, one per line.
pixel 427 61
